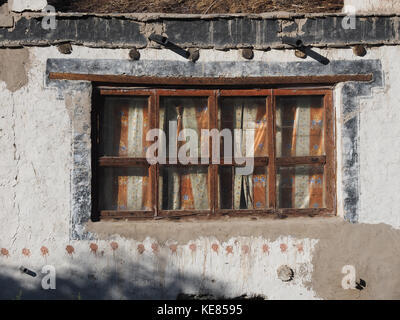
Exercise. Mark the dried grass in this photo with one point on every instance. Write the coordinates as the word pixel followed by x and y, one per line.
pixel 199 6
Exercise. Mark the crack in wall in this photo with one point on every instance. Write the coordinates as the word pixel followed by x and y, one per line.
pixel 17 159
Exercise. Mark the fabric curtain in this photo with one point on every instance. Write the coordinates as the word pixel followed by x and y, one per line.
pixel 187 186
pixel 126 122
pixel 300 133
pixel 250 114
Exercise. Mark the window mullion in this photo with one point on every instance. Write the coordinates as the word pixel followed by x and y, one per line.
pixel 271 151
pixel 155 170
pixel 329 140
pixel 213 124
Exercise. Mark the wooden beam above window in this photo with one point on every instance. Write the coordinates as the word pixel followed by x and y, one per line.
pixel 273 80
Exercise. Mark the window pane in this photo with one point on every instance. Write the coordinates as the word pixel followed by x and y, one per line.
pixel 184 188
pixel 300 187
pixel 124 189
pixel 243 191
pixel 124 125
pixel 185 113
pixel 299 126
pixel 245 113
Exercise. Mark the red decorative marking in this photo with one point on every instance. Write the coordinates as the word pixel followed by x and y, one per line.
pixel 215 247
pixel 70 249
pixel 265 248
pixel 300 247
pixel 140 248
pixel 229 249
pixel 94 247
pixel 283 247
pixel 4 252
pixel 154 246
pixel 193 247
pixel 44 251
pixel 173 248
pixel 245 249
pixel 26 252
pixel 114 245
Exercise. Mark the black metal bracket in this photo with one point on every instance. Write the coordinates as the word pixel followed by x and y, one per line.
pixel 27 271
pixel 161 40
pixel 299 45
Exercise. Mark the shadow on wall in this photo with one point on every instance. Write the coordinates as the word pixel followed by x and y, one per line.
pixel 108 285
pixel 110 278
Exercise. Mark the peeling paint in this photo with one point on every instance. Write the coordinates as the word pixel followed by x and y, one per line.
pixel 14 66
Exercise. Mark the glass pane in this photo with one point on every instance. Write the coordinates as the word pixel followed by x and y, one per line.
pixel 243 191
pixel 299 126
pixel 300 187
pixel 184 188
pixel 246 113
pixel 179 113
pixel 124 124
pixel 124 189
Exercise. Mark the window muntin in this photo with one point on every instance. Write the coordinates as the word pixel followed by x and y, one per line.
pixel 302 117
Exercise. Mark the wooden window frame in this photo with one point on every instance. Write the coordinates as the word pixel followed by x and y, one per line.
pixel 214 96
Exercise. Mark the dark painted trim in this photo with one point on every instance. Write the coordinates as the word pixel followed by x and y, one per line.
pixel 218 32
pixel 351 93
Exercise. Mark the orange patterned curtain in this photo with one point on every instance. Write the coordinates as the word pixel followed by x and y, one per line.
pixel 300 133
pixel 127 122
pixel 187 186
pixel 250 192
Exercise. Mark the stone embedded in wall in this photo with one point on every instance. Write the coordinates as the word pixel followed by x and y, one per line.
pixel 247 53
pixel 65 48
pixel 194 54
pixel 300 54
pixel 134 54
pixel 359 50
pixel 285 273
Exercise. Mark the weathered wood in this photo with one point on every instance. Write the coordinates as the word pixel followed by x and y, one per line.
pixel 292 161
pixel 271 161
pixel 273 80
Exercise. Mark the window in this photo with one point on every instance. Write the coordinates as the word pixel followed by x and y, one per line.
pixel 287 135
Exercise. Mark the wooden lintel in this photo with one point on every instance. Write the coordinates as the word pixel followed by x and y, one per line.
pixel 274 80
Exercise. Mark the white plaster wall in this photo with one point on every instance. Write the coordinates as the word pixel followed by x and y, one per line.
pixel 35 164
pixel 380 147
pixel 373 6
pixel 26 5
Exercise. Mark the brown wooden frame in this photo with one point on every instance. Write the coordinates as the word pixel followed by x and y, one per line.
pixel 214 96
